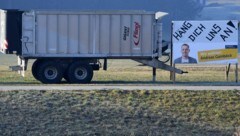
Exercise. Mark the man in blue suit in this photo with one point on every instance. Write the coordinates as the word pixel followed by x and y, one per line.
pixel 185 58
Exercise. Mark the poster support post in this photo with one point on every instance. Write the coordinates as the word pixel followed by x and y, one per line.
pixel 173 75
pixel 227 69
pixel 154 75
pixel 236 73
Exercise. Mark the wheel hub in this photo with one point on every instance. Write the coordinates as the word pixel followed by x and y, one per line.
pixel 50 73
pixel 80 73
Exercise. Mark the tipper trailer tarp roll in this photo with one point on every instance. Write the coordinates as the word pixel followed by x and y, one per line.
pixel 68 44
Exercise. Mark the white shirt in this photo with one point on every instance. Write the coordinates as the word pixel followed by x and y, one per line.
pixel 185 60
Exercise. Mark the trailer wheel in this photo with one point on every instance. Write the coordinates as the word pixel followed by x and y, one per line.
pixel 50 72
pixel 35 68
pixel 79 72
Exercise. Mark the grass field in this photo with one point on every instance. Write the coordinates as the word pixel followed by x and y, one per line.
pixel 119 112
pixel 139 74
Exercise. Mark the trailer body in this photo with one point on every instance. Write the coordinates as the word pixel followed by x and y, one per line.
pixel 115 34
pixel 69 44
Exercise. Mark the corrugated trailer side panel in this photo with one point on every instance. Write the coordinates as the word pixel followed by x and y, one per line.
pixel 105 34
pixel 74 34
pixel 125 40
pixel 84 34
pixel 148 30
pixel 41 35
pixel 93 34
pixel 115 40
pixel 62 31
pixel 52 34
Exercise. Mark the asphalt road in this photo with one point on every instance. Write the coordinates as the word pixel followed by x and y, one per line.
pixel 232 86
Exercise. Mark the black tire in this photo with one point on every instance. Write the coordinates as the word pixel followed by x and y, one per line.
pixel 79 72
pixel 35 69
pixel 50 72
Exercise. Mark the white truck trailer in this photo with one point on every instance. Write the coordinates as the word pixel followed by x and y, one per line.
pixel 69 44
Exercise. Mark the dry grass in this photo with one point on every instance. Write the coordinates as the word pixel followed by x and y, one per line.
pixel 125 71
pixel 119 112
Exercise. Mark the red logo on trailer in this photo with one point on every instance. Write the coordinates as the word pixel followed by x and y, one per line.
pixel 136 33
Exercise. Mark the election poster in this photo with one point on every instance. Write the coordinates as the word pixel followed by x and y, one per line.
pixel 205 42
